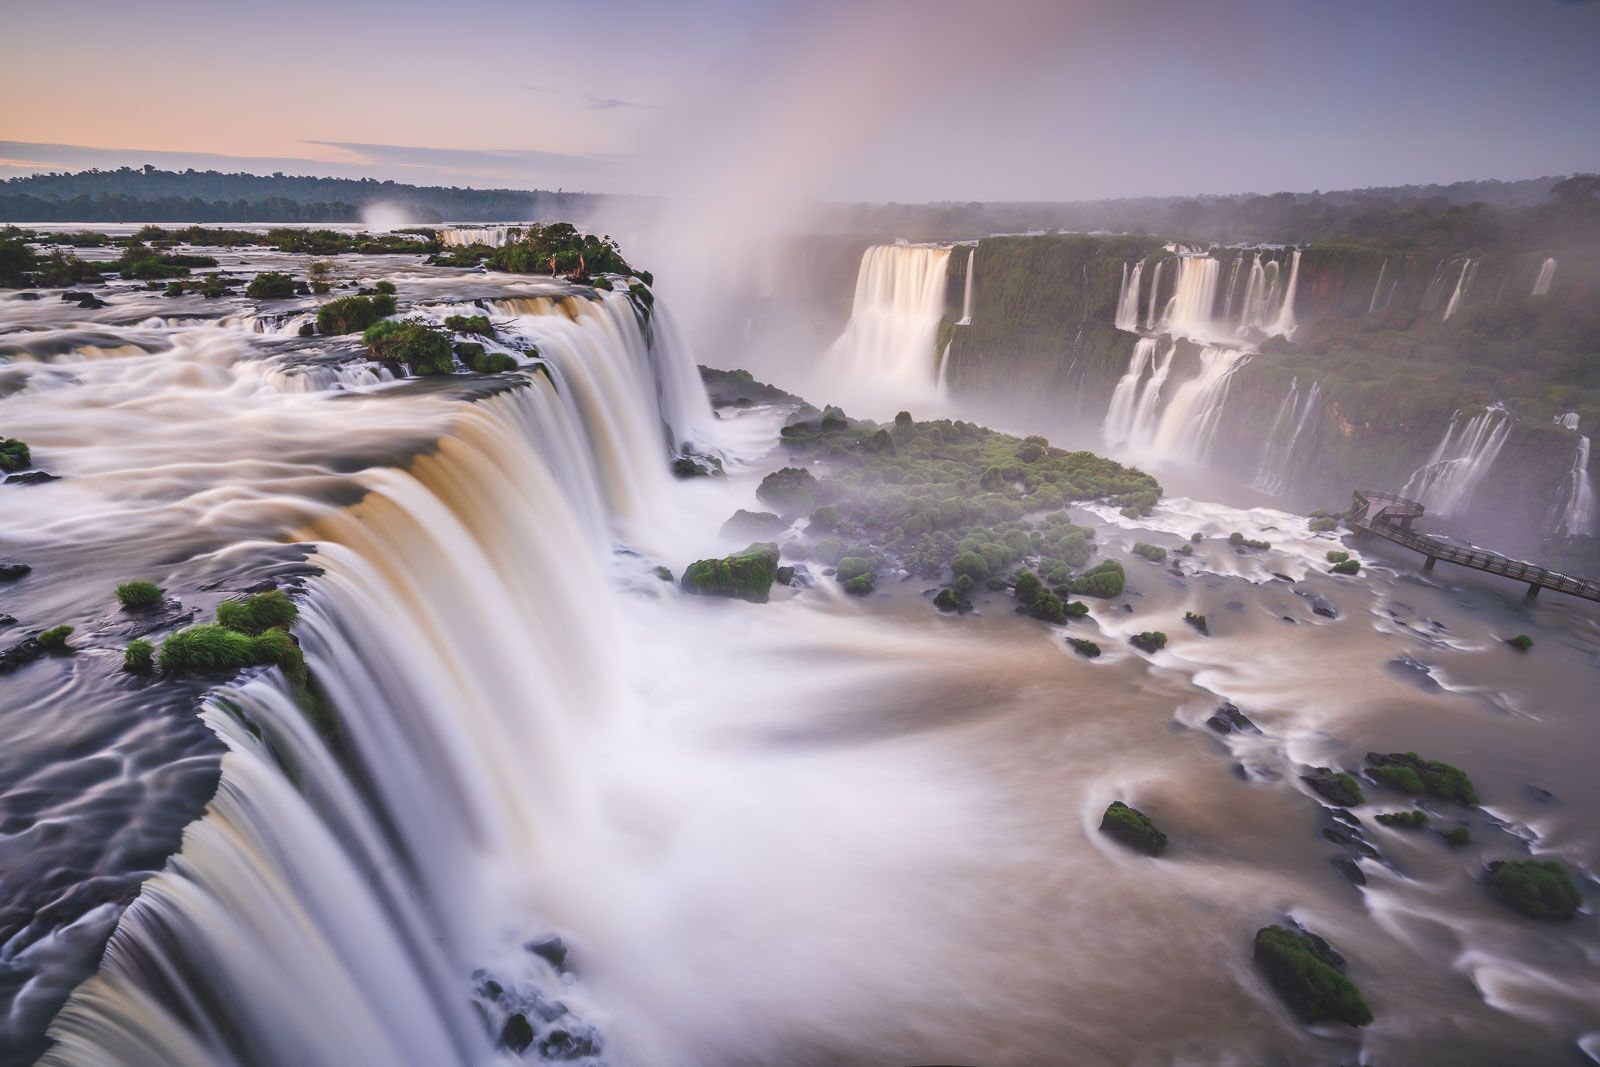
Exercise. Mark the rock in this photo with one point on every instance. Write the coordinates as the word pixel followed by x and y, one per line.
pixel 1542 796
pixel 746 575
pixel 7 620
pixel 1410 773
pixel 10 572
pixel 563 1045
pixel 1350 869
pixel 550 949
pixel 949 600
pixel 1229 718
pixel 1321 605
pixel 662 572
pixel 1198 622
pixel 19 654
pixel 1538 889
pixel 790 491
pixel 753 525
pixel 1133 828
pixel 1283 577
pixel 1309 976
pixel 1334 786
pixel 517 1034
pixel 28 296
pixel 688 467
pixel 1086 649
pixel 31 478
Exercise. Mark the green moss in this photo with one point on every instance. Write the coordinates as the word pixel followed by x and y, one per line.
pixel 860 585
pixel 277 648
pixel 1026 585
pixel 790 491
pixel 139 595
pixel 1539 889
pixel 950 600
pixel 1417 775
pixel 386 288
pixel 1307 975
pixel 1153 553
pixel 1104 580
pixel 1324 525
pixel 1459 836
pixel 475 358
pixel 1405 820
pixel 257 613
pixel 138 657
pixel 1403 779
pixel 1521 642
pixel 1086 649
pixel 971 565
pixel 270 285
pixel 1337 556
pixel 1047 606
pixel 663 573
pixel 1075 609
pixel 1133 828
pixel 853 567
pixel 746 575
pixel 55 638
pixel 352 314
pixel 1151 641
pixel 14 455
pixel 477 325
pixel 420 347
pixel 205 648
pixel 1239 540
pixel 1349 566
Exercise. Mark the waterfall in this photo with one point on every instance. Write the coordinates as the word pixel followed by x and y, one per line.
pixel 493 236
pixel 1435 289
pixel 1283 323
pixel 1154 314
pixel 1189 312
pixel 1233 284
pixel 887 348
pixel 1469 270
pixel 1117 430
pixel 1282 453
pixel 1577 515
pixel 1450 478
pixel 1188 427
pixel 966 294
pixel 1567 420
pixel 1128 301
pixel 1547 274
pixel 1372 305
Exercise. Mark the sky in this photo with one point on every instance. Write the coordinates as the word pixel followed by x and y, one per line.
pixel 907 100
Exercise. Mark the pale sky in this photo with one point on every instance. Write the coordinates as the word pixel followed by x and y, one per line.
pixel 877 99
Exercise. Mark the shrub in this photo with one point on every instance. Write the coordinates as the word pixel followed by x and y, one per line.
pixel 1349 566
pixel 950 600
pixel 473 356
pixel 1103 580
pixel 207 647
pixel 270 285
pixel 139 595
pixel 1521 642
pixel 1197 537
pixel 477 325
pixel 1151 641
pixel 255 614
pixel 1087 649
pixel 1405 820
pixel 1026 585
pixel 1403 779
pixel 1075 609
pixel 1419 775
pixel 277 648
pixel 746 575
pixel 1196 620
pixel 1133 828
pixel 1153 553
pixel 1337 556
pixel 860 585
pixel 55 638
pixel 1323 525
pixel 853 567
pixel 1047 606
pixel 1539 889
pixel 1306 972
pixel 386 288
pixel 970 565
pixel 138 657
pixel 350 314
pixel 1459 837
pixel 14 455
pixel 1239 540
pixel 421 348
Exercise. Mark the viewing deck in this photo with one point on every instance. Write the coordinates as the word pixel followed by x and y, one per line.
pixel 1393 515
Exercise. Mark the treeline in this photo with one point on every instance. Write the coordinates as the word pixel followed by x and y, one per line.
pixel 146 194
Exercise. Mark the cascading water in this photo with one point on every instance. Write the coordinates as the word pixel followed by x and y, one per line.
pixel 1377 287
pixel 1118 428
pixel 1469 270
pixel 493 236
pixel 1547 274
pixel 886 353
pixel 1575 515
pixel 1188 426
pixel 1128 300
pixel 1287 441
pixel 966 292
pixel 1447 482
pixel 1265 309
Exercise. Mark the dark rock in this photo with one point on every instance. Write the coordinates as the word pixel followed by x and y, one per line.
pixel 1229 718
pixel 1308 975
pixel 1321 605
pixel 1335 786
pixel 1133 828
pixel 550 949
pixel 1350 869
pixel 950 600
pixel 28 296
pixel 1282 577
pixel 19 654
pixel 1535 888
pixel 1543 796
pixel 753 525
pixel 10 572
pixel 31 478
pixel 7 620
pixel 564 1045
pixel 517 1034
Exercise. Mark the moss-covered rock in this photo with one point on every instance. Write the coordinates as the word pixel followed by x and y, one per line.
pixel 1047 606
pixel 55 639
pixel 423 349
pixel 1153 553
pixel 1239 540
pixel 1151 641
pixel 1539 889
pixel 139 594
pixel 206 648
pixel 1104 580
pixel 1338 787
pixel 1410 773
pixel 790 491
pixel 1197 621
pixel 746 575
pixel 1404 820
pixel 950 600
pixel 1521 642
pixel 1309 976
pixel 270 285
pixel 1349 566
pixel 14 455
pixel 860 585
pixel 352 314
pixel 1084 648
pixel 1026 585
pixel 853 567
pixel 1133 828
pixel 753 525
pixel 476 325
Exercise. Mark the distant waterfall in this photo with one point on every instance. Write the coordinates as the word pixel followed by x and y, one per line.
pixel 1372 305
pixel 1154 316
pixel 493 236
pixel 1189 312
pixel 1283 324
pixel 1547 274
pixel 1128 301
pixel 1283 450
pixel 966 294
pixel 1447 482
pixel 1469 270
pixel 1577 516
pixel 1567 421
pixel 1265 309
pixel 888 346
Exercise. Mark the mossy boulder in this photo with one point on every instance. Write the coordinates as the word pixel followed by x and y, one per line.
pixel 1133 828
pixel 1539 889
pixel 949 600
pixel 1521 642
pixel 1309 976
pixel 352 314
pixel 790 491
pixel 1048 607
pixel 1349 566
pixel 423 349
pixel 14 455
pixel 139 595
pixel 1338 787
pixel 476 325
pixel 1026 585
pixel 1404 820
pixel 860 585
pixel 970 565
pixel 1197 621
pixel 1104 580
pixel 853 567
pixel 1085 648
pixel 753 525
pixel 1153 553
pixel 55 639
pixel 746 575
pixel 1410 773
pixel 1151 641
pixel 270 285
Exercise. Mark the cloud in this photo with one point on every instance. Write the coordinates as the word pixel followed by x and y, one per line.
pixel 611 103
pixel 470 160
pixel 538 88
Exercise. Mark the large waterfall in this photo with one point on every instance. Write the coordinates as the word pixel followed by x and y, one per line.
pixel 1250 305
pixel 886 353
pixel 1286 444
pixel 1461 461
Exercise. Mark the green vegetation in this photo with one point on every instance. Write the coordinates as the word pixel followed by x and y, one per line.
pixel 352 314
pixel 386 288
pixel 476 325
pixel 1410 773
pixel 473 356
pixel 1239 540
pixel 419 346
pixel 55 639
pixel 790 491
pixel 1153 553
pixel 1337 556
pixel 1459 837
pixel 144 263
pixel 1151 641
pixel 1324 524
pixel 270 285
pixel 1307 974
pixel 139 595
pixel 950 600
pixel 1197 620
pixel 14 455
pixel 1048 607
pixel 1521 642
pixel 1539 889
pixel 1348 566
pixel 1026 585
pixel 138 657
pixel 549 249
pixel 746 575
pixel 1087 649
pixel 1338 787
pixel 860 585
pixel 1404 820
pixel 1104 580
pixel 207 647
pixel 258 613
pixel 1133 828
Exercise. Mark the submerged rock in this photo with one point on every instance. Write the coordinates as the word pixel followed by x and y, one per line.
pixel 17 655
pixel 746 575
pixel 1337 787
pixel 10 572
pixel 1133 828
pixel 791 491
pixel 1228 718
pixel 1309 975
pixel 950 600
pixel 31 478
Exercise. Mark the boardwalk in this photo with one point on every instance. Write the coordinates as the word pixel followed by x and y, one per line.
pixel 1390 517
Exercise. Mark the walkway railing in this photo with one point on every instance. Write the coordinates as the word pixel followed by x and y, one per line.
pixel 1392 521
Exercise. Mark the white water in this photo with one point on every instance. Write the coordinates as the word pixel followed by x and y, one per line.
pixel 1447 482
pixel 1118 428
pixel 1189 422
pixel 885 356
pixel 1469 270
pixel 1577 513
pixel 1128 300
pixel 966 292
pixel 493 236
pixel 1547 274
pixel 1284 449
pixel 1377 287
pixel 1265 309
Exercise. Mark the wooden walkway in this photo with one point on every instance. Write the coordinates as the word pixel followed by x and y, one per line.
pixel 1390 517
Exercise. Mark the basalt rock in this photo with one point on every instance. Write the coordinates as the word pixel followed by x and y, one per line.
pixel 746 575
pixel 753 525
pixel 1228 719
pixel 1133 828
pixel 1337 787
pixel 20 654
pixel 1535 888
pixel 10 572
pixel 1309 975
pixel 31 478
